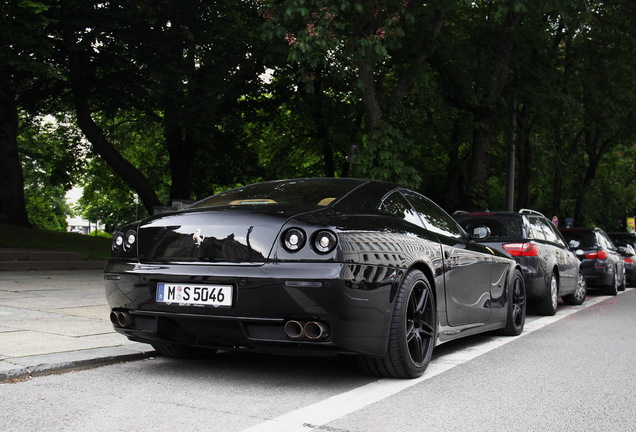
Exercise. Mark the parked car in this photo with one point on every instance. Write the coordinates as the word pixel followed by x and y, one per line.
pixel 315 267
pixel 601 263
pixel 629 256
pixel 623 238
pixel 550 269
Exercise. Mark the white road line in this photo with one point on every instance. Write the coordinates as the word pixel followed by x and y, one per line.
pixel 328 410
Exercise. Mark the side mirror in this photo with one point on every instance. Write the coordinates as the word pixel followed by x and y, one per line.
pixel 480 233
pixel 574 244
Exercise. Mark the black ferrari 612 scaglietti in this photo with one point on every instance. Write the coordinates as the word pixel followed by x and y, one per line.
pixel 314 267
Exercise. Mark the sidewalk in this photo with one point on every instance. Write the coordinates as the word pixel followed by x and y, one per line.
pixel 57 320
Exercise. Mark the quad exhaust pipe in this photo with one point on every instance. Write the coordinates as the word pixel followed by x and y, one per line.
pixel 312 330
pixel 121 319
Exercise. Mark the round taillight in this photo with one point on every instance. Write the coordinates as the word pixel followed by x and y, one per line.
pixel 294 239
pixel 118 241
pixel 325 241
pixel 129 239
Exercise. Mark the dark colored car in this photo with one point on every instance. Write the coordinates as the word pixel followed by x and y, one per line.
pixel 623 238
pixel 626 244
pixel 601 263
pixel 629 257
pixel 550 269
pixel 311 266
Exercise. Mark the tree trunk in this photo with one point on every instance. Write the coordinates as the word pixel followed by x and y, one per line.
pixel 181 157
pixel 525 158
pixel 79 83
pixel 12 204
pixel 181 143
pixel 595 153
pixel 453 179
pixel 477 191
pixel 415 65
pixel 317 108
pixel 373 114
pixel 485 112
pixel 557 186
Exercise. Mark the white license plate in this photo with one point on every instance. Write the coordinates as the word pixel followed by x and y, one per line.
pixel 187 294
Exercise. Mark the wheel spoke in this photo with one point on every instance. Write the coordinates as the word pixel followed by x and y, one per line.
pixel 427 330
pixel 422 300
pixel 419 323
pixel 415 348
pixel 410 329
pixel 518 301
pixel 417 303
pixel 518 297
pixel 516 313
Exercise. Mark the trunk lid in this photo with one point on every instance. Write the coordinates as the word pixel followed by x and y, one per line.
pixel 220 235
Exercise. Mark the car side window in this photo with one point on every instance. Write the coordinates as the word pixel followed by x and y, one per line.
pixel 435 219
pixel 536 229
pixel 561 239
pixel 396 205
pixel 605 242
pixel 550 231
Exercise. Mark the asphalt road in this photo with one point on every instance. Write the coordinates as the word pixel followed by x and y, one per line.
pixel 572 372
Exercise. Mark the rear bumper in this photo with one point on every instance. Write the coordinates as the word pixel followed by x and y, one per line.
pixel 630 274
pixel 598 275
pixel 534 278
pixel 536 286
pixel 353 302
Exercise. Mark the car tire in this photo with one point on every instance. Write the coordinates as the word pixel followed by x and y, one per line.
pixel 181 351
pixel 412 334
pixel 516 318
pixel 548 305
pixel 579 295
pixel 612 289
pixel 623 284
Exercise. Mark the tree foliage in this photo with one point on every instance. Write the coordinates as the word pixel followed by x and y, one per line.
pixel 51 162
pixel 182 99
pixel 23 50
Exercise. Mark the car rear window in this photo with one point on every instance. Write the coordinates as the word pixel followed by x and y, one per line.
pixel 626 238
pixel 580 239
pixel 502 227
pixel 312 193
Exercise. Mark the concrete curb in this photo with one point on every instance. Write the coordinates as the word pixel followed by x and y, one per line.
pixel 51 265
pixel 20 368
pixel 41 259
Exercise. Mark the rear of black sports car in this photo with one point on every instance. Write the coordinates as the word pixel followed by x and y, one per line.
pixel 259 275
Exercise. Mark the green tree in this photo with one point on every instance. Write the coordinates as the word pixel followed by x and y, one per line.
pixel 185 64
pixel 50 162
pixel 109 198
pixel 90 75
pixel 605 67
pixel 364 44
pixel 473 63
pixel 23 45
pixel 304 134
pixel 579 103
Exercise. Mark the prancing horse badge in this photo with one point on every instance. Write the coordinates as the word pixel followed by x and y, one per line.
pixel 198 237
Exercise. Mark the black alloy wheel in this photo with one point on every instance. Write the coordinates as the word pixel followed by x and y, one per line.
pixel 412 334
pixel 516 318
